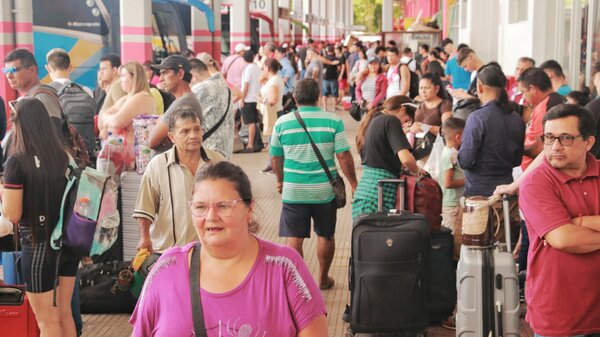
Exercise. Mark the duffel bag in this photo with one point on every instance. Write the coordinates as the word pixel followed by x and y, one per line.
pixel 99 292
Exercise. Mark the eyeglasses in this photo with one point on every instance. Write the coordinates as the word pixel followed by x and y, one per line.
pixel 11 70
pixel 564 140
pixel 222 208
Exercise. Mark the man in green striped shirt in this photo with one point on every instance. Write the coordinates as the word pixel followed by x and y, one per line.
pixel 305 188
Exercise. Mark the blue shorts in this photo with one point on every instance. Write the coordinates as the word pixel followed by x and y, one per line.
pixel 330 88
pixel 295 220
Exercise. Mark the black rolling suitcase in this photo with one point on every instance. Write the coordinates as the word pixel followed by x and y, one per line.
pixel 442 282
pixel 389 271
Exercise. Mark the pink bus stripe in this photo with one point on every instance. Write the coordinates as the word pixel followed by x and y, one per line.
pixel 131 30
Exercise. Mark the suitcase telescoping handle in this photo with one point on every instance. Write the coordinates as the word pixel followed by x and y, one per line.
pixel 506 210
pixel 400 182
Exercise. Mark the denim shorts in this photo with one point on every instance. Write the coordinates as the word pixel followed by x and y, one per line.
pixel 38 262
pixel 295 220
pixel 330 88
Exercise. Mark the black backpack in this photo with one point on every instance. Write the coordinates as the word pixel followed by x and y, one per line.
pixel 79 109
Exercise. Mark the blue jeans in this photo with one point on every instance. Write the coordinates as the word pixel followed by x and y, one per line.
pixel 591 335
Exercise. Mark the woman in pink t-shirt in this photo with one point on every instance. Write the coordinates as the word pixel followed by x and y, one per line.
pixel 248 286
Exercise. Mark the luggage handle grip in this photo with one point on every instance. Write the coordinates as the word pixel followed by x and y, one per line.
pixel 381 182
pixel 506 210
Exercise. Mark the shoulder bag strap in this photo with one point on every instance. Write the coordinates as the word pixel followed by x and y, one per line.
pixel 315 148
pixel 197 314
pixel 216 126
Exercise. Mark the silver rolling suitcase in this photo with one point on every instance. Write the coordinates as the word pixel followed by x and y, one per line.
pixel 488 290
pixel 130 185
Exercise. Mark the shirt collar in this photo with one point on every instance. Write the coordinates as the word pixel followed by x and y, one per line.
pixel 308 108
pixel 590 172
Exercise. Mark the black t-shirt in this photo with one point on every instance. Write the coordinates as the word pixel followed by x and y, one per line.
pixel 18 178
pixel 594 107
pixel 384 137
pixel 331 72
pixel 343 62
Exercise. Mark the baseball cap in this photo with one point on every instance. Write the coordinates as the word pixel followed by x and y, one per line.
pixel 174 62
pixel 241 47
pixel 374 59
pixel 206 59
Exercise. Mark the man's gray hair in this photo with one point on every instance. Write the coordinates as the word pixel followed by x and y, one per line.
pixel 183 112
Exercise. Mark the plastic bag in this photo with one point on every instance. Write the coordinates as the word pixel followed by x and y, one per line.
pixel 435 158
pixel 143 153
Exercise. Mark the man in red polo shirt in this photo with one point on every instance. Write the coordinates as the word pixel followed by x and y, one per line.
pixel 560 201
pixel 536 87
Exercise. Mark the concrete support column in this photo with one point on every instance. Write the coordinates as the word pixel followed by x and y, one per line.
pixel 284 31
pixel 314 11
pixel 23 24
pixel 264 7
pixel 324 20
pixel 136 30
pixel 202 39
pixel 387 16
pixel 482 29
pixel 299 15
pixel 6 45
pixel 306 12
pixel 275 17
pixel 239 23
pixel 334 17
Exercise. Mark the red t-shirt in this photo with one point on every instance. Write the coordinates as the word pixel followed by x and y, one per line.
pixel 534 129
pixel 562 289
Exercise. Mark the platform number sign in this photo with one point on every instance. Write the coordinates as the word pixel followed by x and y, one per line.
pixel 259 4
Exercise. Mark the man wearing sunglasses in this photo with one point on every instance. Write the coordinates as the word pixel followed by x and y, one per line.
pixel 560 201
pixel 21 71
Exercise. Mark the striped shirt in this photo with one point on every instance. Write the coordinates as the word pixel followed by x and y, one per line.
pixel 304 180
pixel 368 89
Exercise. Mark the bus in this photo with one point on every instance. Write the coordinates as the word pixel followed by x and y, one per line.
pixel 90 29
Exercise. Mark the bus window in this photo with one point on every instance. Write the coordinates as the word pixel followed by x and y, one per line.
pixel 167 33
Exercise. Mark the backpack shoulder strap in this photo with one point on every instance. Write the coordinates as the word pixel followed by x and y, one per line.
pixel 57 233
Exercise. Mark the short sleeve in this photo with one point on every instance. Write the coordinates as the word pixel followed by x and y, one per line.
pixel 13 174
pixel 341 141
pixel 541 204
pixel 147 202
pixel 446 106
pixel 445 163
pixel 305 299
pixel 448 70
pixel 276 149
pixel 395 134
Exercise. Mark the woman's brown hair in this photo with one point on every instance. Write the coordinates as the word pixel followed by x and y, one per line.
pixel 391 104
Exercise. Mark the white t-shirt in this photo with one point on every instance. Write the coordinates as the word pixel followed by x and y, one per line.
pixel 278 82
pixel 393 78
pixel 250 77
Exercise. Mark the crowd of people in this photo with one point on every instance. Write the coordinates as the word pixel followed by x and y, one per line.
pixel 492 128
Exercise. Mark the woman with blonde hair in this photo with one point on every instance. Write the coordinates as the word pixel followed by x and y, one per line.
pixel 384 151
pixel 117 122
